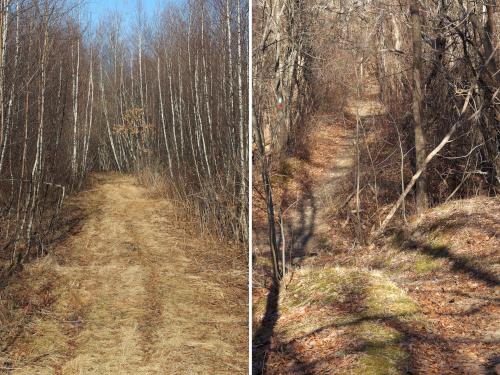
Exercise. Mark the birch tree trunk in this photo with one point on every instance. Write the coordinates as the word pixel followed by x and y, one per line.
pixel 36 172
pixel 4 23
pixel 76 77
pixel 164 127
pixel 105 111
pixel 242 145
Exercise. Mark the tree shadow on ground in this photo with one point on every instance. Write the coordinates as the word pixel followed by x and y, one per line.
pixel 300 231
pixel 483 221
pixel 408 339
pixel 262 337
pixel 353 309
pixel 459 263
pixel 493 363
pixel 302 228
pixel 413 337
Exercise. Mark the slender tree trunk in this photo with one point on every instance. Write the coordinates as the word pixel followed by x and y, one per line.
pixel 164 127
pixel 242 146
pixel 36 173
pixel 269 199
pixel 4 23
pixel 90 102
pixel 230 60
pixel 108 128
pixel 200 121
pixel 421 186
pixel 76 80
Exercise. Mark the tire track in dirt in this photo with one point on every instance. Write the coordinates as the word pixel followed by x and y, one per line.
pixel 154 314
pixel 125 301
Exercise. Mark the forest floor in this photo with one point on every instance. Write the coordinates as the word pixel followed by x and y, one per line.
pixel 135 290
pixel 422 301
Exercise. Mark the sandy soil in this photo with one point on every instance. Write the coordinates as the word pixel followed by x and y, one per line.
pixel 131 293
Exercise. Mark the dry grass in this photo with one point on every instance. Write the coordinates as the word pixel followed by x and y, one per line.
pixel 212 208
pixel 137 291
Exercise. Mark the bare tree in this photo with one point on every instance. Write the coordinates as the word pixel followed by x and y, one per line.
pixel 422 203
pixel 158 111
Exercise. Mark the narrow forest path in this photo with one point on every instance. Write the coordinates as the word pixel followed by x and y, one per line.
pixel 133 292
pixel 315 194
pixel 423 302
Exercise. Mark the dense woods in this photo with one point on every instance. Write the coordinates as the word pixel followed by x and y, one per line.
pixel 164 99
pixel 436 66
pixel 376 164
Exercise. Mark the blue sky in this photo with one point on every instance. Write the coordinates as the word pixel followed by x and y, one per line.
pixel 100 8
pixel 128 8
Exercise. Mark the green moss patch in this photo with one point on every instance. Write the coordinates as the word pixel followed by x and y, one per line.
pixel 426 264
pixel 383 353
pixel 363 305
pixel 320 288
pixel 387 300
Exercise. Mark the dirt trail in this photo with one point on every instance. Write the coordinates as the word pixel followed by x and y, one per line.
pixel 316 186
pixel 330 164
pixel 132 294
pixel 413 307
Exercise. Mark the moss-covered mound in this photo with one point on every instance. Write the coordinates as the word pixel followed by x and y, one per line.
pixel 343 320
